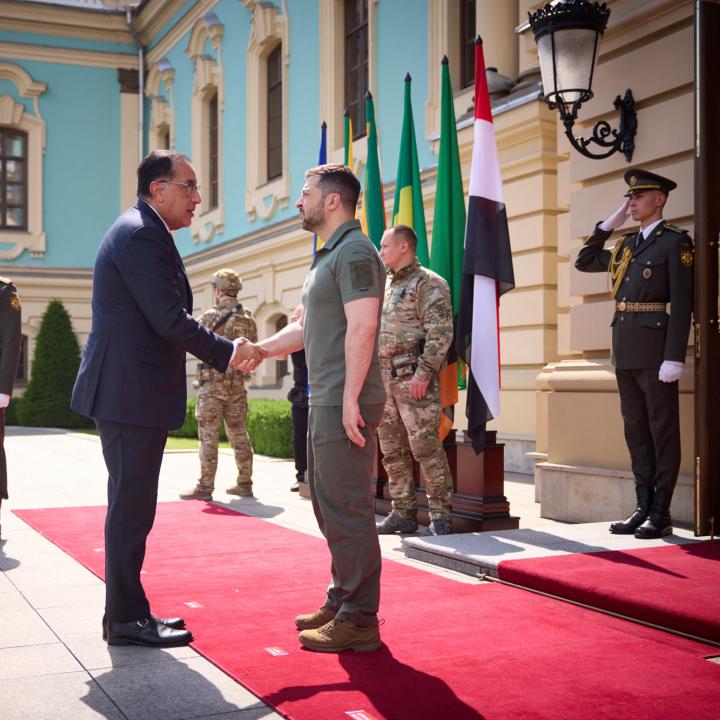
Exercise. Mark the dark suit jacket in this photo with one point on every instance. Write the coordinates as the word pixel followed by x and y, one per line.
pixel 660 271
pixel 133 365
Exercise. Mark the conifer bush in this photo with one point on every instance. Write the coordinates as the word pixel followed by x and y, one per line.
pixel 46 401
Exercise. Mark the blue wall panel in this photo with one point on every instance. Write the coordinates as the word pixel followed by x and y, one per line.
pixel 81 109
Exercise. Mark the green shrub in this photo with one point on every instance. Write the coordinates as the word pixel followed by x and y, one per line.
pixel 189 427
pixel 11 411
pixel 46 402
pixel 269 425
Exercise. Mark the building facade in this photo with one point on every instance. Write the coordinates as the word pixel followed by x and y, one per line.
pixel 242 86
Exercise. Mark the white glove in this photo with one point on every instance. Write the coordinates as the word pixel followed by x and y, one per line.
pixel 618 218
pixel 4 400
pixel 670 371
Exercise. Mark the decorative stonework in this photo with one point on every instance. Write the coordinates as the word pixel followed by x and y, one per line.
pixel 14 114
pixel 129 81
pixel 269 28
pixel 162 117
pixel 208 83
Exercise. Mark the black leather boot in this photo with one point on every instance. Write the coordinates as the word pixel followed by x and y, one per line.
pixel 659 522
pixel 645 496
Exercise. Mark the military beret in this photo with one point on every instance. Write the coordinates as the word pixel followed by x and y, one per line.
pixel 638 180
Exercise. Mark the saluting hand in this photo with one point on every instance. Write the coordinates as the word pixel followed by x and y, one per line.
pixel 618 218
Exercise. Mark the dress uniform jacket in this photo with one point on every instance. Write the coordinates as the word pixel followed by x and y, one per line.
pixel 10 341
pixel 10 335
pixel 659 270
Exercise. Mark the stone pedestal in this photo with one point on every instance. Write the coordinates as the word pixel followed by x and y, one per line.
pixel 479 501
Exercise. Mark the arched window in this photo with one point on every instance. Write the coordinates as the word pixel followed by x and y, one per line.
pixel 213 159
pixel 356 63
pixel 274 113
pixel 467 43
pixel 13 179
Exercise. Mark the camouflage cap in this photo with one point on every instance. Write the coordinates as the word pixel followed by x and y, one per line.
pixel 227 280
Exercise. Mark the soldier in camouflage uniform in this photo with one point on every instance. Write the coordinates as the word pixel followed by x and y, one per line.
pixel 415 333
pixel 222 396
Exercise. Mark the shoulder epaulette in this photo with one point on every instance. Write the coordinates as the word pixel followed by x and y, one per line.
pixel 676 229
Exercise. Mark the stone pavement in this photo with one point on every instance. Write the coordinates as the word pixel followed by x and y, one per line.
pixel 53 662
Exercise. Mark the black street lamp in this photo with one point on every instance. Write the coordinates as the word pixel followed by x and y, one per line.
pixel 567 35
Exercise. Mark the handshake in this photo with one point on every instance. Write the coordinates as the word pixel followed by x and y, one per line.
pixel 247 356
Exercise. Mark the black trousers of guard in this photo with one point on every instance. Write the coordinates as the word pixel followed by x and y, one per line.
pixel 3 461
pixel 651 413
pixel 299 438
pixel 133 456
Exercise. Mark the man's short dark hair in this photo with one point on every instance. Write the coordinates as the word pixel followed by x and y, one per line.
pixel 405 232
pixel 155 165
pixel 338 179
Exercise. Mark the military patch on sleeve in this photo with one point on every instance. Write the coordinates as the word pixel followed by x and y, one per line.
pixel 687 258
pixel 15 303
pixel 361 274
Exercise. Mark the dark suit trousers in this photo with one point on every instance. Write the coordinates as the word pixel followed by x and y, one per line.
pixel 133 456
pixel 651 412
pixel 300 440
pixel 3 461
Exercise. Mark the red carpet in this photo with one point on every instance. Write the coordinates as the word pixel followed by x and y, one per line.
pixel 675 586
pixel 452 650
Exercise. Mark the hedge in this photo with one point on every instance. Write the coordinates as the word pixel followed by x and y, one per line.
pixel 46 402
pixel 269 425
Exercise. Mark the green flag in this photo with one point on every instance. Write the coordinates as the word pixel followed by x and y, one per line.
pixel 408 208
pixel 448 235
pixel 372 215
pixel 348 133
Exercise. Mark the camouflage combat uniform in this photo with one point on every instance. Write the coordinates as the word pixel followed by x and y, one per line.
pixel 415 334
pixel 223 396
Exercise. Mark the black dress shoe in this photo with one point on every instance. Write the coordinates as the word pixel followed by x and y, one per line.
pixel 176 623
pixel 654 527
pixel 148 633
pixel 630 524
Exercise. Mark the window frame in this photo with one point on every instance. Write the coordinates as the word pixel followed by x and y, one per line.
pixel 274 92
pixel 360 63
pixel 9 131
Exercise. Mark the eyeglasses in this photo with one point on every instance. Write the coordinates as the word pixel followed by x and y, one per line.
pixel 189 187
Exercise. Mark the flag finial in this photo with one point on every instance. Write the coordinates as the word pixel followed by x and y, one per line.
pixel 368 95
pixel 346 113
pixel 478 40
pixel 444 60
pixel 408 78
pixel 324 125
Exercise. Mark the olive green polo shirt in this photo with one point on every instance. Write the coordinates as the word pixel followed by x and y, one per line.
pixel 346 268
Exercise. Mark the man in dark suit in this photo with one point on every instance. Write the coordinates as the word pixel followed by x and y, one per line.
pixel 10 343
pixel 649 270
pixel 132 379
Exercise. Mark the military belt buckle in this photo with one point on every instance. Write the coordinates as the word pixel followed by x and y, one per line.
pixel 622 306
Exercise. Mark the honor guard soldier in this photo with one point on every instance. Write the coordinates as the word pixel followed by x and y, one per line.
pixel 222 396
pixel 10 342
pixel 416 331
pixel 651 277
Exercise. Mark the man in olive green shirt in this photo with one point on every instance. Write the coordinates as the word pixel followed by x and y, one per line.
pixel 339 327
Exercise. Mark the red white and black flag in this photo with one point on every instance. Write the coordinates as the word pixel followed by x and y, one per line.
pixel 487 268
